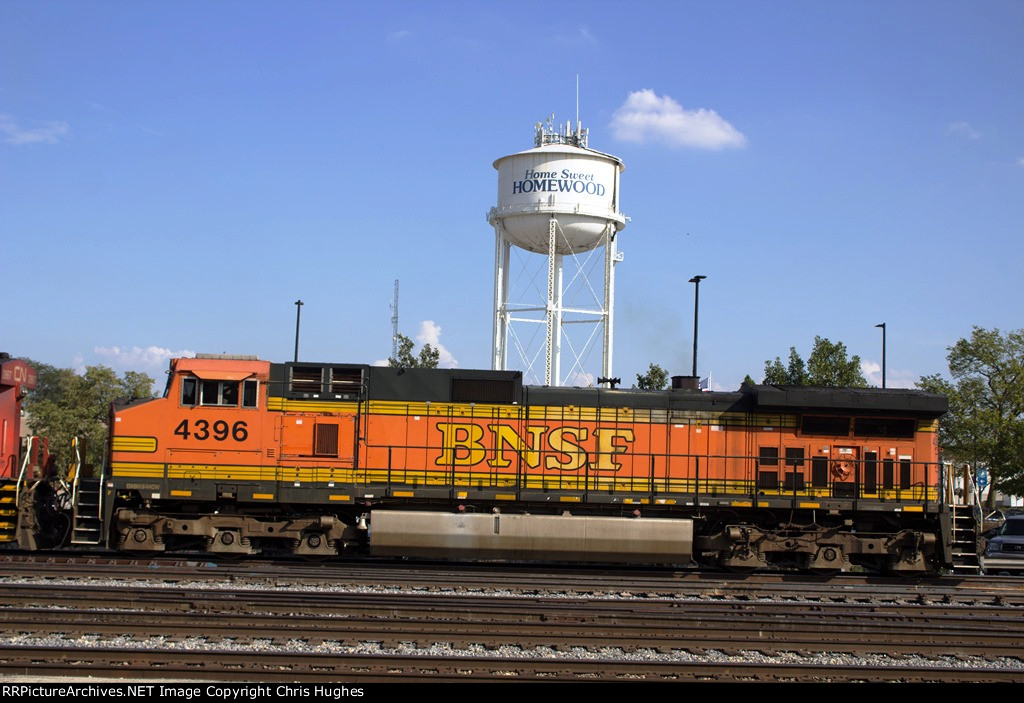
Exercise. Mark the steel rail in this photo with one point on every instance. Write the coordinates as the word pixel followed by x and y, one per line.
pixel 142 664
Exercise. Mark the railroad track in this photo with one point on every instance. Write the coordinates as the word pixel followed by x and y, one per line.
pixel 246 622
pixel 350 669
pixel 523 579
pixel 562 627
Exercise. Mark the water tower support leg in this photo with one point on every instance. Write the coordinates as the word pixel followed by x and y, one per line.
pixel 610 258
pixel 554 306
pixel 499 346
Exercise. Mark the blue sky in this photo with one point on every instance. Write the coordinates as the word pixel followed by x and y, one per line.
pixel 174 175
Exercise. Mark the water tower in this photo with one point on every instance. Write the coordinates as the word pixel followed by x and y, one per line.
pixel 560 200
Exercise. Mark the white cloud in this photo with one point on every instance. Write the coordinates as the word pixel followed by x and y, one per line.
pixel 103 108
pixel 872 372
pixel 894 378
pixel 581 379
pixel 398 36
pixel 147 359
pixel 47 133
pixel 584 35
pixel 1020 161
pixel 646 117
pixel 430 333
pixel 581 36
pixel 154 132
pixel 963 129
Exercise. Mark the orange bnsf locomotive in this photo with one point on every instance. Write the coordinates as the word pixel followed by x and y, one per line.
pixel 242 456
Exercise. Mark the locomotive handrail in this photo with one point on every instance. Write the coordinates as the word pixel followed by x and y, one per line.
pixel 361 429
pixel 78 470
pixel 24 468
pixel 707 477
pixel 102 479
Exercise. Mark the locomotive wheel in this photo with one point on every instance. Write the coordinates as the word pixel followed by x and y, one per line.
pixel 728 563
pixel 825 572
pixel 228 557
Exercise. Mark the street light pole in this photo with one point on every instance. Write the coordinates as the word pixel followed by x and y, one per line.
pixel 882 325
pixel 696 300
pixel 298 315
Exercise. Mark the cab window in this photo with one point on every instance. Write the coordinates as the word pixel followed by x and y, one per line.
pixel 219 393
pixel 189 390
pixel 226 394
pixel 250 393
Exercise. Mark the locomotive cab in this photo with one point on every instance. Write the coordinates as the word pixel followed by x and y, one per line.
pixel 200 467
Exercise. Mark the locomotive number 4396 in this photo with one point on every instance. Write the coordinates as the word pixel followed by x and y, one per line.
pixel 221 430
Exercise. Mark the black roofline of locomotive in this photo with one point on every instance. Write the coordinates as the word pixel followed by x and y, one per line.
pixel 440 386
pixel 904 401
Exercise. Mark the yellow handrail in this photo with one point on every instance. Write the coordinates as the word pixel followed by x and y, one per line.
pixel 78 469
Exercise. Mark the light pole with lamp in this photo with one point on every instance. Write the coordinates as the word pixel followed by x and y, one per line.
pixel 696 299
pixel 298 315
pixel 882 325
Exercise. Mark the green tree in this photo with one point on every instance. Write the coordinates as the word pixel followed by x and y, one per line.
pixel 796 369
pixel 65 405
pixel 656 379
pixel 827 365
pixel 428 357
pixel 775 373
pixel 985 423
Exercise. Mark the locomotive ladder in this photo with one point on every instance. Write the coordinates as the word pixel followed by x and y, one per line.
pixel 10 495
pixel 966 519
pixel 8 512
pixel 87 505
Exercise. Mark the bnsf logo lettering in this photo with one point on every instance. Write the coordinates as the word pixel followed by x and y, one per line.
pixel 564 448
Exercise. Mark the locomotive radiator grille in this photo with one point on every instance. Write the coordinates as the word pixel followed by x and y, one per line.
pixel 325 440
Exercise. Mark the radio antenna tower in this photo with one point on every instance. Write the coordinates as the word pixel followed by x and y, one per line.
pixel 394 323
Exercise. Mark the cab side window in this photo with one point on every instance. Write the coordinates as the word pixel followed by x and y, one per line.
pixel 250 393
pixel 189 390
pixel 225 394
pixel 229 394
pixel 219 393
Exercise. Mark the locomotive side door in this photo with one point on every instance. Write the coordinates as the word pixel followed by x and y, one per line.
pixel 325 443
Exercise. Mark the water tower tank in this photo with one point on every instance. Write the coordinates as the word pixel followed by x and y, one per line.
pixel 559 177
pixel 561 200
